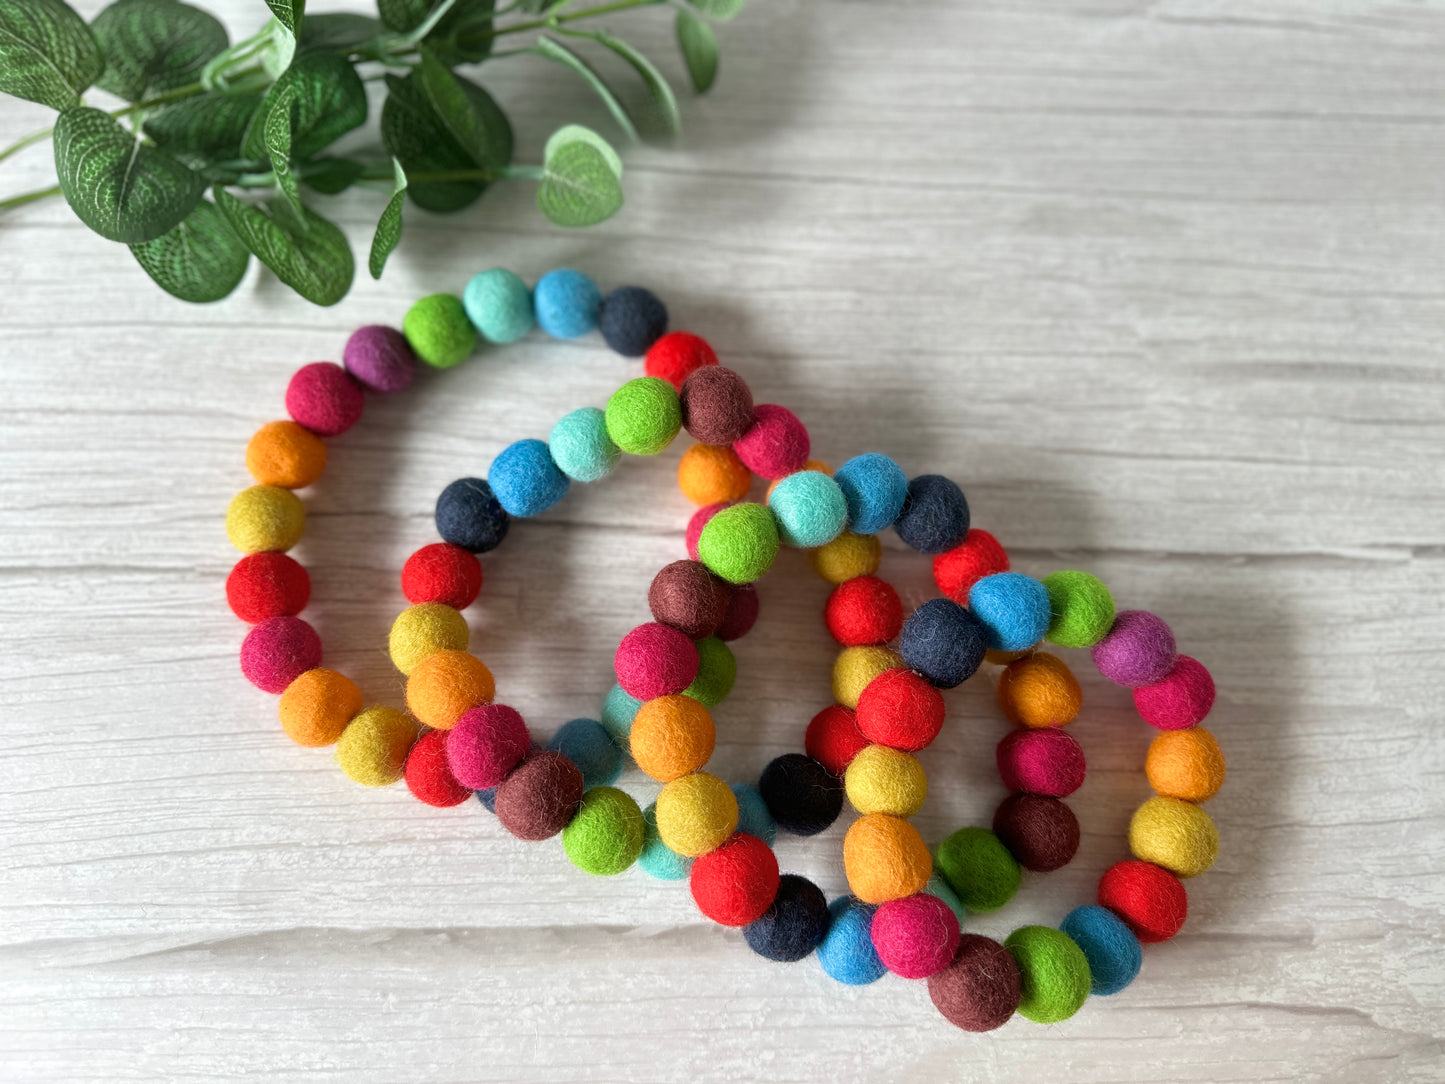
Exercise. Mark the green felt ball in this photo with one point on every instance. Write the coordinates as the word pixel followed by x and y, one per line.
pixel 606 835
pixel 739 543
pixel 499 304
pixel 979 868
pixel 1083 609
pixel 1054 972
pixel 717 669
pixel 438 330
pixel 644 415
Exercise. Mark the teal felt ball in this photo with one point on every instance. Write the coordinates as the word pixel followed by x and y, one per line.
pixel 809 508
pixel 657 858
pixel 499 305
pixel 566 303
pixel 618 710
pixel 754 816
pixel 581 447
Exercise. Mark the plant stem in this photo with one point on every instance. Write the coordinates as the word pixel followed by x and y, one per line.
pixel 28 197
pixel 585 13
pixel 21 144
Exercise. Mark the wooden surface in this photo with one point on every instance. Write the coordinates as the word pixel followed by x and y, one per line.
pixel 1158 283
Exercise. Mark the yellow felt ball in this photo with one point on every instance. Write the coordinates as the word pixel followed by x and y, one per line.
pixel 424 630
pixel 317 705
pixel 445 686
pixel 1185 764
pixel 816 465
pixel 885 858
pixel 373 747
pixel 713 474
pixel 1174 834
pixel 265 519
pixel 696 814
pixel 671 736
pixel 847 557
pixel 884 780
pixel 856 667
pixel 285 454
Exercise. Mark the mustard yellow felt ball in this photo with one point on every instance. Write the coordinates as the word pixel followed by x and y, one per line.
pixel 713 474
pixel 373 747
pixel 696 814
pixel 317 705
pixel 265 519
pixel 1185 764
pixel 885 859
pixel 1175 834
pixel 424 630
pixel 285 454
pixel 445 686
pixel 847 557
pixel 884 780
pixel 855 668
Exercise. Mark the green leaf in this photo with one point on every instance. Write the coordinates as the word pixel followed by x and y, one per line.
pixel 454 108
pixel 331 175
pixel 199 259
pixel 464 34
pixel 277 133
pixel 555 50
pixel 663 100
pixel 569 132
pixel 537 7
pixel 276 57
pixel 329 102
pixel 123 189
pixel 47 53
pixel 152 46
pixel 336 31
pixel 306 252
pixel 722 10
pixel 413 133
pixel 388 227
pixel 209 126
pixel 699 50
pixel 288 13
pixel 403 15
pixel 580 185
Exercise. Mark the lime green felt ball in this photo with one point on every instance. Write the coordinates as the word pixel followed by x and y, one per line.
pixel 739 543
pixel 606 835
pixel 438 330
pixel 643 416
pixel 1083 609
pixel 717 669
pixel 1054 970
pixel 980 868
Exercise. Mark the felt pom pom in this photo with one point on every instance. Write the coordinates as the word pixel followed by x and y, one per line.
pixel 619 708
pixel 643 416
pixel 469 515
pixel 742 613
pixel 676 356
pixel 1054 973
pixel 486 744
pixel 846 952
pixel 695 525
pixel 323 397
pixel 775 445
pixel 739 543
pixel 802 795
pixel 1113 951
pixel 1013 608
pixel 316 707
pixel 1041 762
pixel 900 709
pixel 754 817
pixel 717 407
pixel 1151 900
pixel 696 814
pixel 1177 835
pixel 979 990
pixel 266 519
pixel 916 936
pixel 934 517
pixel 278 651
pixel 1041 833
pixel 794 923
pixel 566 303
pixel 445 685
pixel 717 669
pixel 427 774
pixel 711 474
pixel 1039 690
pixel 441 572
pixel 847 557
pixel 1185 764
pixel 833 738
pixel 265 585
pixel 938 886
pixel 671 737
pixel 809 508
pixel 581 447
pixel 373 748
pixel 586 744
pixel 606 835
pixel 875 489
pixel 379 359
pixel 438 331
pixel 487 799
pixel 885 858
pixel 958 569
pixel 883 780
pixel 856 668
pixel 655 660
pixel 632 320
pixel 1138 650
pixel 1179 700
pixel 736 883
pixel 424 630
pixel 657 858
pixel 499 305
pixel 943 642
pixel 540 797
pixel 979 868
pixel 1082 606
pixel 285 454
pixel 525 480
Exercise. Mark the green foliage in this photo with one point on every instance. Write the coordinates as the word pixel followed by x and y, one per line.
pixel 388 226
pixel 336 32
pixel 199 259
pixel 47 53
pixel 302 249
pixel 698 45
pixel 208 126
pixel 152 46
pixel 327 101
pixel 581 178
pixel 555 50
pixel 414 134
pixel 288 13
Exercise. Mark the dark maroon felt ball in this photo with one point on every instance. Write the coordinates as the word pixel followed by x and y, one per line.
pixel 688 597
pixel 1041 833
pixel 742 613
pixel 540 797
pixel 717 406
pixel 980 989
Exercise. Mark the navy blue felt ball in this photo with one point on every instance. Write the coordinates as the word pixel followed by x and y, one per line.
pixel 525 480
pixel 795 923
pixel 488 798
pixel 632 319
pixel 935 515
pixel 944 642
pixel 470 516
pixel 802 795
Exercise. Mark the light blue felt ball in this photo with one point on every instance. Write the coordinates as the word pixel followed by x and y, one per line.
pixel 874 488
pixel 1014 609
pixel 499 304
pixel 754 817
pixel 937 886
pixel 618 710
pixel 525 480
pixel 567 303
pixel 586 743
pixel 581 447
pixel 1111 948
pixel 657 858
pixel 847 953
pixel 809 509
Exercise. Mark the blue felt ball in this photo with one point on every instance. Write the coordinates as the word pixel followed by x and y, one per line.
pixel 525 479
pixel 943 642
pixel 581 447
pixel 632 319
pixel 586 743
pixel 754 818
pixel 793 925
pixel 809 509
pixel 470 516
pixel 488 798
pixel 499 305
pixel 1111 948
pixel 566 303
pixel 934 518
pixel 657 858
pixel 847 953
pixel 618 711
pixel 937 886
pixel 875 488
pixel 1013 608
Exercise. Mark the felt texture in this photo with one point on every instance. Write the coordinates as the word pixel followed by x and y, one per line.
pixel 540 797
pixel 676 356
pixel 794 923
pixel 643 416
pixel 944 642
pixel 885 858
pixel 776 444
pixel 1003 658
pixel 486 744
pixel 1014 609
pixel 655 660
pixel 586 744
pixel 712 474
pixel 285 454
pixel 1039 690
pixel 934 517
pixel 278 651
pixel 316 707
pixel 847 557
pixel 815 465
pixel 742 613
pixel 1149 899
pixel 488 799
pixel 1083 609
pixel 469 515
pixel 581 447
pixel 671 737
pixel 809 509
pixel 657 859
pixel 379 359
pixel 1179 700
pixel 1185 764
pixel 424 630
pixel 427 775
pixel 1138 649
pixel 632 319
pixel 324 398
pixel 739 543
pixel 846 951
pixel 802 795
pixel 619 707
pixel 265 519
pixel 717 407
pixel 373 748
pixel 980 988
pixel 717 669
pixel 916 936
pixel 736 883
pixel 1112 950
pixel 696 814
pixel 901 709
pixel 1041 833
pixel 566 303
pixel 754 817
pixel 940 888
pixel 265 585
pixel 499 305
pixel 441 572
pixel 606 835
pixel 445 685
pixel 833 738
pixel 525 480
pixel 1174 834
pixel 979 868
pixel 884 780
pixel 696 523
pixel 438 331
pixel 958 569
pixel 875 489
pixel 1043 761
pixel 1054 973
pixel 856 668
pixel 863 611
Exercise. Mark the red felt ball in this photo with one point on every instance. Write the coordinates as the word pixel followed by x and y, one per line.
pixel 776 445
pixel 717 407
pixel 900 709
pixel 486 744
pixel 1041 833
pixel 833 738
pixel 1151 900
pixel 685 595
pixel 697 523
pixel 676 356
pixel 278 651
pixel 1041 761
pixel 1181 700
pixel 863 611
pixel 958 569
pixel 266 585
pixel 540 797
pixel 980 989
pixel 736 883
pixel 441 572
pixel 655 660
pixel 325 398
pixel 742 613
pixel 427 774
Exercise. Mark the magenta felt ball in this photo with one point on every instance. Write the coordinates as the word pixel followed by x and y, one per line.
pixel 1137 650
pixel 324 398
pixel 379 358
pixel 776 445
pixel 655 660
pixel 915 937
pixel 1043 761
pixel 276 652
pixel 486 744
pixel 1181 700
pixel 697 523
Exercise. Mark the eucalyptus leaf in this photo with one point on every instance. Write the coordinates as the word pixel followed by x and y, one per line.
pixel 208 126
pixel 414 134
pixel 453 107
pixel 288 13
pixel 658 89
pixel 277 133
pixel 47 53
pixel 570 132
pixel 122 188
pixel 722 10
pixel 698 45
pixel 579 186
pixel 330 101
pixel 279 51
pixel 331 175
pixel 336 31
pixel 152 46
pixel 403 15
pixel 304 250
pixel 388 227
pixel 199 259
pixel 555 50
pixel 464 34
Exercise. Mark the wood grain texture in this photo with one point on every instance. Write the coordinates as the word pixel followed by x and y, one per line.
pixel 1157 282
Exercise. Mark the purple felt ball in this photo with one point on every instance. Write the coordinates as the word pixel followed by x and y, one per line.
pixel 379 358
pixel 1138 650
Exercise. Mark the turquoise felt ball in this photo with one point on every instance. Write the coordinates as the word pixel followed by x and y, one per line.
pixel 525 480
pixel 809 508
pixel 618 710
pixel 1014 609
pixel 657 858
pixel 499 304
pixel 566 303
pixel 581 447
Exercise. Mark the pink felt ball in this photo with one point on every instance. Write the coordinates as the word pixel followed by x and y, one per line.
pixel 486 744
pixel 1041 761
pixel 1181 700
pixel 655 660
pixel 278 651
pixel 1137 650
pixel 324 398
pixel 776 445
pixel 697 523
pixel 915 937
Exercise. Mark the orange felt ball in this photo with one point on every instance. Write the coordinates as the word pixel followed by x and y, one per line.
pixel 1185 764
pixel 445 686
pixel 285 454
pixel 1039 690
pixel 885 858
pixel 712 474
pixel 316 707
pixel 671 736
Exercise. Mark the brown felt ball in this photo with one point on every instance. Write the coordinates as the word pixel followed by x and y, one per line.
pixel 980 989
pixel 1041 833
pixel 717 406
pixel 688 597
pixel 742 612
pixel 540 797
